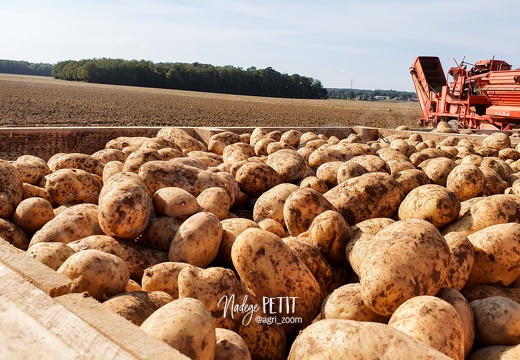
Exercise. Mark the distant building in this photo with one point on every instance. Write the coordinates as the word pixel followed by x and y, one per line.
pixel 380 97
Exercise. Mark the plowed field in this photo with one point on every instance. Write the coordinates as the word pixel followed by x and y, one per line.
pixel 27 101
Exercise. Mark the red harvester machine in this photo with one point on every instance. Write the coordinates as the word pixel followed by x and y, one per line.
pixel 487 96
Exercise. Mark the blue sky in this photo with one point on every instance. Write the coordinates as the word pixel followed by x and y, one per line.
pixel 370 43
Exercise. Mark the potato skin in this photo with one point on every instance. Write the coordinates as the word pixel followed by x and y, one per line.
pixel 255 178
pixel 350 339
pixel 136 306
pixel 407 258
pixel 497 321
pixel 11 192
pixel 31 214
pixel 124 206
pixel 230 346
pixel 231 228
pixel 432 321
pixel 99 273
pixel 13 235
pixel 462 259
pixel 72 186
pixel 174 201
pixel 52 254
pixel 31 168
pixel 270 204
pixel 467 181
pixel 163 277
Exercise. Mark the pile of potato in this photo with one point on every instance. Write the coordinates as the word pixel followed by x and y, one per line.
pixel 389 249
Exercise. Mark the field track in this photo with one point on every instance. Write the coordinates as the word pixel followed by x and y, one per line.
pixel 31 101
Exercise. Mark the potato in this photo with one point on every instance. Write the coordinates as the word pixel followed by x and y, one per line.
pixel 270 269
pixel 159 234
pixel 31 168
pixel 300 209
pixel 329 233
pixel 466 181
pixel 230 346
pixel 277 146
pixel 75 186
pixel 314 260
pixel 13 235
pixel 288 163
pixel 407 258
pixel 325 154
pixel 494 184
pixel 101 274
pixel 270 204
pixel 462 258
pixel 186 325
pixel 71 224
pixel 226 137
pixel 11 192
pixel 328 172
pixel 357 340
pixel 348 170
pixel 170 153
pixel 497 321
pixel 163 277
pixel 182 139
pixel 132 286
pixel 461 305
pixel 497 140
pixel 273 226
pixel 291 137
pixel 197 241
pixel 256 178
pixel 261 146
pixel 215 200
pixel 372 163
pixel 233 307
pixel 124 206
pixel 345 302
pixel 31 214
pixel 30 191
pixel 231 228
pixel 137 158
pixel 174 201
pixel 136 257
pixel 161 174
pixel 438 169
pixel 137 306
pixel 238 152
pixel 362 235
pixel 365 197
pixel 496 352
pixel 124 141
pixel 112 168
pixel 431 202
pixel 108 155
pixel 76 161
pixel 432 321
pixel 410 179
pixel 315 183
pixel 496 254
pixel 52 254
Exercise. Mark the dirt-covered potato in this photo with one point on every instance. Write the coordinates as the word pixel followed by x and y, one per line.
pixel 186 325
pixel 32 213
pixel 273 226
pixel 496 254
pixel 108 155
pixel 270 204
pixel 362 235
pixel 438 169
pixel 497 140
pixel 112 168
pixel 261 146
pixel 231 228
pixel 315 183
pixel 497 321
pixel 329 233
pixel 372 163
pixel 328 172
pixel 174 202
pixel 358 340
pixel 494 183
pixel 71 224
pixel 138 157
pixel 159 234
pixel 349 170
pixel 301 207
pixel 13 235
pixel 365 197
pixel 255 178
pixel 496 352
pixel 215 200
pixel 432 321
pixel 182 139
pixel 197 241
pixel 31 168
pixel 137 306
pixel 72 186
pixel 410 179
pixel 30 191
pixel 466 181
pixel 73 161
pixel 407 258
pixel 462 258
pixel 52 254
pixel 345 302
pixel 238 152
pixel 11 191
pixel 258 256
pixel 230 346
pixel 125 206
pixel 431 202
pixel 163 277
pixel 291 137
pixel 101 274
pixel 461 305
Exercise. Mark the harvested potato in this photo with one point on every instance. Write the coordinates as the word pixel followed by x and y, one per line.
pixel 288 164
pixel 365 197
pixel 174 201
pixel 345 302
pixel 75 161
pixel 182 139
pixel 291 137
pixel 407 258
pixel 328 172
pixel 255 178
pixel 72 186
pixel 466 181
pixel 231 228
pixel 30 191
pixel 438 169
pixel 358 340
pixel 197 241
pixel 300 209
pixel 31 168
pixel 163 277
pixel 496 352
pixel 13 235
pixel 259 255
pixel 108 155
pixel 372 163
pixel 215 200
pixel 186 325
pixel 431 202
pixel 349 170
pixel 462 258
pixel 497 140
pixel 497 321
pixel 494 183
pixel 138 157
pixel 277 146
pixel 11 192
pixel 112 168
pixel 315 183
pixel 73 223
pixel 433 322
pixel 101 274
pixel 496 254
pixel 238 152
pixel 159 234
pixel 270 204
pixel 230 346
pixel 273 226
pixel 226 137
pixel 52 254
pixel 261 146
pixel 133 286
pixel 137 306
pixel 410 179
pixel 31 214
pixel 124 141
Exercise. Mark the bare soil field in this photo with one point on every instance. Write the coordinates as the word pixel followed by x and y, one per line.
pixel 32 101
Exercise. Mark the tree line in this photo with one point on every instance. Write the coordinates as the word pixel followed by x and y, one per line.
pixel 370 95
pixel 191 76
pixel 25 68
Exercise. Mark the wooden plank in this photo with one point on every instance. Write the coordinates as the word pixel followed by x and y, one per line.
pixel 41 276
pixel 121 331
